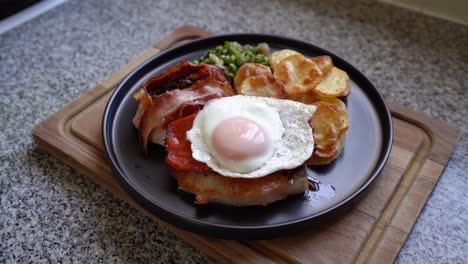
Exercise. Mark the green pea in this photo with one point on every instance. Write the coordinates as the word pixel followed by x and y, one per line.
pixel 232 67
pixel 207 53
pixel 223 57
pixel 240 61
pixel 233 45
pixel 264 59
pixel 234 52
pixel 231 56
pixel 226 60
pixel 229 44
pixel 258 59
pixel 249 54
pixel 237 57
pixel 230 75
pixel 212 59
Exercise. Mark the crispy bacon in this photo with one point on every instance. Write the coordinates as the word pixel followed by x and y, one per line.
pixel 179 91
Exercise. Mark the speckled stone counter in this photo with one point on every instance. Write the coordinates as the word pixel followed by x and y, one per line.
pixel 49 213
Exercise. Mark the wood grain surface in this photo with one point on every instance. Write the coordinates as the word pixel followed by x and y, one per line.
pixel 372 230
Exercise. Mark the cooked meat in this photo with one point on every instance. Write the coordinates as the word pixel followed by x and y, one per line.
pixel 211 187
pixel 179 91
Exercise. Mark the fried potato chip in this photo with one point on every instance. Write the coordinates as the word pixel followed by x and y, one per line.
pixel 265 85
pixel 280 55
pixel 305 98
pixel 343 110
pixel 324 63
pixel 311 98
pixel 323 156
pixel 334 84
pixel 247 70
pixel 299 74
pixel 326 123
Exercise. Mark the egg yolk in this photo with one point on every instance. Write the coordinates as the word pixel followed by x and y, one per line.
pixel 239 138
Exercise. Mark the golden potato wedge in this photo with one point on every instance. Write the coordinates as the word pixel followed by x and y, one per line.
pixel 265 85
pixel 323 156
pixel 280 55
pixel 334 84
pixel 324 63
pixel 299 74
pixel 305 98
pixel 247 70
pixel 342 109
pixel 311 98
pixel 326 123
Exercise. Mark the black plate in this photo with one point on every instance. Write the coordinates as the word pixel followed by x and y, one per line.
pixel 367 148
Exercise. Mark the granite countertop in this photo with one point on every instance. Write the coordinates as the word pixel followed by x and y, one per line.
pixel 50 213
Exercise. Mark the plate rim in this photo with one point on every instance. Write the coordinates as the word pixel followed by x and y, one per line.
pixel 230 231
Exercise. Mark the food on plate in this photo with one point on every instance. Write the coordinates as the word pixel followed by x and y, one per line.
pixel 324 63
pixel 299 74
pixel 263 85
pixel 335 83
pixel 324 155
pixel 247 70
pixel 250 137
pixel 209 186
pixel 329 129
pixel 343 111
pixel 306 77
pixel 331 121
pixel 231 56
pixel 248 145
pixel 278 56
pixel 180 90
pixel 242 150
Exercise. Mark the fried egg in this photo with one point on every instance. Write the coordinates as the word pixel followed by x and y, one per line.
pixel 251 137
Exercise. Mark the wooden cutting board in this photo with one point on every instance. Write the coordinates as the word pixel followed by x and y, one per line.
pixel 372 230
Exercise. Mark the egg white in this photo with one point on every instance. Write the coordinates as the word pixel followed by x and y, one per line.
pixel 217 111
pixel 285 121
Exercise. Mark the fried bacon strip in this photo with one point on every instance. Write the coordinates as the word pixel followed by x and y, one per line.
pixel 179 91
